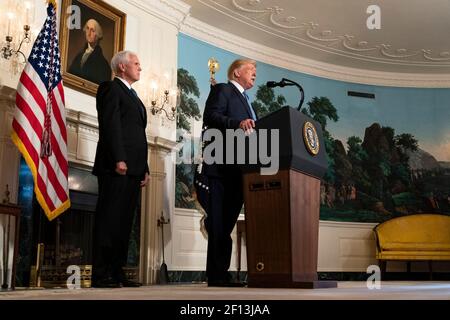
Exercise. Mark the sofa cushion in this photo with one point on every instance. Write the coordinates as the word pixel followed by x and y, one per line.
pixel 414 255
pixel 417 246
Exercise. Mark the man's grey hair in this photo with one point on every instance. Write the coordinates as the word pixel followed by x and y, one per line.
pixel 120 57
pixel 98 28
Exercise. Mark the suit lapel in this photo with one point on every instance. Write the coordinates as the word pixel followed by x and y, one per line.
pixel 243 100
pixel 135 98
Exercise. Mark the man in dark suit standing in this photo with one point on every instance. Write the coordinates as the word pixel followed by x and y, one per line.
pixel 121 167
pixel 227 107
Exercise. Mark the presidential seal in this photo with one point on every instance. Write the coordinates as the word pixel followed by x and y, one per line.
pixel 311 138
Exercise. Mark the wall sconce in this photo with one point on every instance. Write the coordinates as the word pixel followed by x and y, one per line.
pixel 164 100
pixel 15 16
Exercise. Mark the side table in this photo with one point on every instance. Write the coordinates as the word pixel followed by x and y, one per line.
pixel 11 211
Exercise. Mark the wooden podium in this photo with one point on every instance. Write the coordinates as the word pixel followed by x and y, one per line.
pixel 282 210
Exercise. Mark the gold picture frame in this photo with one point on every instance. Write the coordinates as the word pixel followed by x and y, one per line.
pixel 85 76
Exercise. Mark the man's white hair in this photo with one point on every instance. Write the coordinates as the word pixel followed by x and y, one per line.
pixel 98 28
pixel 120 57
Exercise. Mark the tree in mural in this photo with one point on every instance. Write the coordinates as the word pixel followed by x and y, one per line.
pixel 266 102
pixel 321 109
pixel 343 166
pixel 378 143
pixel 405 143
pixel 188 106
pixel 387 160
pixel 400 178
pixel 188 109
pixel 357 156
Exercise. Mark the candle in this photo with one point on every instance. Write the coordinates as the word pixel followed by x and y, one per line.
pixel 10 17
pixel 153 86
pixel 27 12
pixel 166 81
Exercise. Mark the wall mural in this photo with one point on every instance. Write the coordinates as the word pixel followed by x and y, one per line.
pixel 388 155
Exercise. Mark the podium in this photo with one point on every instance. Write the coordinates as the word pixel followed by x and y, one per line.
pixel 282 210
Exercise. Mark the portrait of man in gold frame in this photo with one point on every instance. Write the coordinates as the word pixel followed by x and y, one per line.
pixel 91 32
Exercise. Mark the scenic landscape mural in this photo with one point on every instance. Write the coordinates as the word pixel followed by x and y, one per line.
pixel 388 154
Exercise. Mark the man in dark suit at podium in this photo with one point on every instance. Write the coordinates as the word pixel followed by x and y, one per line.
pixel 121 167
pixel 227 107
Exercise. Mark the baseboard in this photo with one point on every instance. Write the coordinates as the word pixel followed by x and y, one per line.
pixel 176 277
pixel 388 276
pixel 198 276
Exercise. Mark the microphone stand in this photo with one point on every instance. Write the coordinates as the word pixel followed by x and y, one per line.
pixel 286 82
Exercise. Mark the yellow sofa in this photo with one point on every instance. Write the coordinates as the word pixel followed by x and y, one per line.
pixel 417 237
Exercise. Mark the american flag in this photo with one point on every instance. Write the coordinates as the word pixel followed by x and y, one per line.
pixel 39 124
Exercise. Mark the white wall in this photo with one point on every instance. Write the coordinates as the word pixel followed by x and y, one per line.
pixel 343 246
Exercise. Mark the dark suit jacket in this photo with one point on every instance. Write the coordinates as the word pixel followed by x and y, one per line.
pixel 225 108
pixel 122 119
pixel 95 69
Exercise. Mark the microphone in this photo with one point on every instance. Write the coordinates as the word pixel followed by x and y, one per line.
pixel 273 84
pixel 286 82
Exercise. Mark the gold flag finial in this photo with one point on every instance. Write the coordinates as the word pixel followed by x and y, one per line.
pixel 52 2
pixel 213 66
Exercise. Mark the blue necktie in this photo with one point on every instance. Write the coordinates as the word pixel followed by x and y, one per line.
pixel 250 105
pixel 134 92
pixel 140 107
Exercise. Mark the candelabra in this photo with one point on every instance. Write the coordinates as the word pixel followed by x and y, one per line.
pixel 155 109
pixel 11 49
pixel 8 49
pixel 162 97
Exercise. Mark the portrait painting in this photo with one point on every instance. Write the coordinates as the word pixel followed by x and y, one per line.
pixel 91 32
